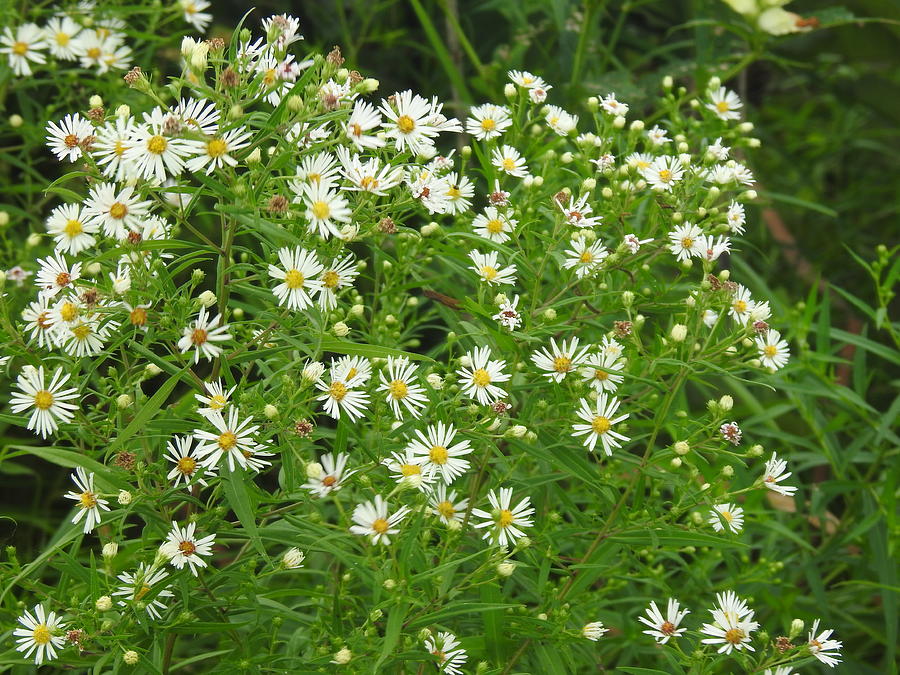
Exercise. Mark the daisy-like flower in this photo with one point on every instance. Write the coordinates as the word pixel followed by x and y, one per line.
pixel 110 144
pixel 18 275
pixel 51 403
pixel 438 454
pixel 41 634
pixel 201 336
pixel 445 504
pixel 232 440
pixel 488 121
pixel 85 336
pixel 194 14
pixel 373 520
pixel 478 379
pixel 55 274
pixel 299 266
pixel 401 387
pixel 578 212
pixel 121 278
pixel 118 212
pixel 286 27
pixel 65 139
pixel 410 122
pixel 325 208
pixel 458 193
pixel 561 122
pixel 182 547
pixel 61 34
pixel 340 397
pixel 663 173
pixel 186 459
pixel 600 371
pixel 330 478
pixel 153 154
pixel 38 319
pixel 823 647
pixel 508 314
pixel 658 136
pixel 321 168
pixel 775 472
pixel 217 398
pixel 730 516
pixel 639 161
pixel 664 627
pixel 293 558
pixel 736 217
pixel 340 274
pixel 560 359
pixel 593 631
pixel 23 47
pixel 711 248
pixel 88 500
pixel 633 244
pixel 742 174
pixel 369 176
pixel 741 305
pixel 600 420
pixel 510 161
pixel 773 351
pixel 70 230
pixel 144 588
pixel 198 115
pixel 354 370
pixel 584 257
pixel 685 241
pixel 406 469
pixel 525 79
pixel 363 118
pixel 725 104
pixel 731 432
pixel 732 624
pixel 486 267
pixel 450 656
pixel 214 153
pixel 494 225
pixel 717 151
pixel 504 522
pixel 611 105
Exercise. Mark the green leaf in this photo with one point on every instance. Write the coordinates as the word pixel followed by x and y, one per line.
pixel 147 411
pixel 235 485
pixel 369 351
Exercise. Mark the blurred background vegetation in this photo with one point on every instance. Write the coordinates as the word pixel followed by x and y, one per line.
pixel 826 105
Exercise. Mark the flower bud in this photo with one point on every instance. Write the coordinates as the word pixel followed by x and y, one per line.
pixel 314 470
pixel 131 657
pixel 15 121
pixel 667 82
pixel 726 403
pixel 756 450
pixel 313 371
pixel 549 314
pixel 270 411
pixel 207 298
pixel 33 240
pixel 124 401
pixel 369 85
pixel 124 497
pixel 506 568
pixel 714 82
pixel 637 125
pixel 509 90
pixel 679 332
pixel 797 626
pixel 593 104
pixel 435 381
pixel 745 127
pixel 123 112
pixel 254 157
pixel 340 329
pixel 389 584
pixel 110 549
pixel 675 463
pixel 728 471
pixel 681 448
pixel 95 101
pixel 343 656
pixel 588 184
pixel 104 603
pixel 619 122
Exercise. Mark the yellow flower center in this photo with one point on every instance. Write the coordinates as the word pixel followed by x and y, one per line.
pixel 187 465
pixel 138 316
pixel 94 53
pixel 216 147
pixel 88 500
pixel 453 192
pixel 406 124
pixel 410 469
pixel 667 628
pixel 320 210
pixel 601 375
pixel 157 144
pixel 562 364
pixel 41 634
pixel 368 183
pixel 62 39
pixel 199 336
pixel 727 515
pixel 687 242
pixel 119 148
pixel 735 636
pixel 398 389
pixel 330 279
pixel 481 377
pixel 665 175
pixel 494 226
pixel 71 140
pixel 68 311
pixel 586 257
pixel 43 399
pixel 63 279
pixel 488 124
pixel 81 331
pixel 227 440
pixel 446 509
pixel 380 525
pixel 337 391
pixel 722 106
pixel 73 228
pixel 141 592
pixel 294 279
pixel 488 272
pixel 740 306
pixel 356 130
pixel 218 402
pixel 509 164
pixel 506 518
pixel 187 548
pixel 438 454
pixel 20 48
pixel 770 350
pixel 600 425
pixel 118 211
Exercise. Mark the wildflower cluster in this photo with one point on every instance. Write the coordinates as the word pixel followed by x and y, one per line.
pixel 287 332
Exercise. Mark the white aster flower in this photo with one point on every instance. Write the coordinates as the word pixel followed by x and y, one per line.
pixel 298 267
pixel 214 153
pixel 727 516
pixel 773 351
pixel 510 161
pixel 325 207
pixel 184 548
pixel 525 79
pixel 491 273
pixel 479 380
pixel 823 647
pixel 438 454
pixel 23 46
pixel 612 106
pixel 658 136
pixel 144 588
pixel 585 257
pixel 508 314
pixel 736 217
pixel 410 122
pixel 61 34
pixel 741 305
pixel 560 359
pixel 488 121
pixel 561 122
pixel 87 499
pixel 725 104
pixel 66 138
pixel 406 469
pixel 732 624
pixel 118 212
pixel 70 229
pixel 450 656
pixel 194 14
pixel 231 439
pixel 663 173
pixel 186 459
pixel 494 225
pixel 332 475
pixel 503 524
pixel 201 336
pixel 339 397
pixel 152 153
pixel 601 372
pixel 775 472
pixel 41 634
pixel 38 319
pixel 217 398
pixel 711 248
pixel 401 387
pixel 663 627
pixel 340 274
pixel 363 118
pixel 55 274
pixel 600 420
pixel 373 520
pixel 594 630
pixel 446 505
pixel 52 404
pixel 578 212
